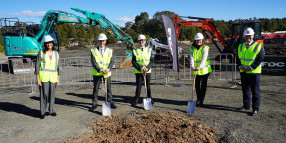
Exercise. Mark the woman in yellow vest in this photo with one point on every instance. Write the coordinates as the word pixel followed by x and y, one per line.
pixel 142 61
pixel 200 65
pixel 102 61
pixel 47 76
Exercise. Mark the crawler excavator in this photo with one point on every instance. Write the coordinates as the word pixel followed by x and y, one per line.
pixel 26 40
pixel 230 46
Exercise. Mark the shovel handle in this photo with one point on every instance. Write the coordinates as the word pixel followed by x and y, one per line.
pixel 193 89
pixel 105 86
pixel 144 76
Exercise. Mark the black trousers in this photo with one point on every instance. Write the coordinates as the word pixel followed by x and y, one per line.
pixel 139 83
pixel 251 82
pixel 201 87
pixel 96 83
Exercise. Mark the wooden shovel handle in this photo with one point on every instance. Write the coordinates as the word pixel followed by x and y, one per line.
pixel 194 82
pixel 144 76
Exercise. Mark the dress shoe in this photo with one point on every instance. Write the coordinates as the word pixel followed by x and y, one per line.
pixel 47 113
pixel 53 114
pixel 42 117
pixel 134 103
pixel 254 113
pixel 152 101
pixel 242 108
pixel 113 106
pixel 93 108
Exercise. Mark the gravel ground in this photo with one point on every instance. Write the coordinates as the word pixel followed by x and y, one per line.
pixel 19 112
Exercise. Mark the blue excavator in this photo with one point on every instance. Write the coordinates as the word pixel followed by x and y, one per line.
pixel 26 40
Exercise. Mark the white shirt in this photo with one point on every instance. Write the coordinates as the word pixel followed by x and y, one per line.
pixel 101 50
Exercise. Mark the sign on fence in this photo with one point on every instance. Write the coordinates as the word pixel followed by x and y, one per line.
pixel 274 65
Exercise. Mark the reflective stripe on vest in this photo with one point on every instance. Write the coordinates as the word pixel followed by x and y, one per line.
pixel 198 56
pixel 48 68
pixel 102 61
pixel 142 58
pixel 248 56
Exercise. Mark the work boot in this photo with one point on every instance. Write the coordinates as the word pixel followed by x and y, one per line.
pixel 113 106
pixel 242 108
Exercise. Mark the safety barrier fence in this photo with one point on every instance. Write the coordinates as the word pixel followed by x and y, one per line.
pixel 78 70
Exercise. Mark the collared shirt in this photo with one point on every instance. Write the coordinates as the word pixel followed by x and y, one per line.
pixel 101 50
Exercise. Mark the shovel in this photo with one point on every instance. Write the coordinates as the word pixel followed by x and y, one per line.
pixel 147 101
pixel 191 103
pixel 106 111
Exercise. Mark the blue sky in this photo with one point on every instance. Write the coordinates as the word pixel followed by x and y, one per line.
pixel 125 10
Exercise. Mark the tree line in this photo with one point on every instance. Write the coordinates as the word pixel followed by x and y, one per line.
pixel 153 27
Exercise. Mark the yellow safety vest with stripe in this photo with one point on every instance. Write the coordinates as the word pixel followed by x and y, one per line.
pixel 247 56
pixel 142 58
pixel 198 56
pixel 102 61
pixel 49 68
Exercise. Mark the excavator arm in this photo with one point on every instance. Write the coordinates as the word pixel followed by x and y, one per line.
pixel 204 23
pixel 93 19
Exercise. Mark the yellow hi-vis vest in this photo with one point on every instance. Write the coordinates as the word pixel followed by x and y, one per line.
pixel 142 58
pixel 198 56
pixel 247 56
pixel 49 68
pixel 102 61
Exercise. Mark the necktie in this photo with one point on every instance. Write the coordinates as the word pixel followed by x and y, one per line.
pixel 101 52
pixel 247 45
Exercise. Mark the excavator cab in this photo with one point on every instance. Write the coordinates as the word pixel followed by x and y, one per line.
pixel 237 30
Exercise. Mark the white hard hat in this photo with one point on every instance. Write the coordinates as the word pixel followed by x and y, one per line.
pixel 102 36
pixel 199 36
pixel 248 31
pixel 48 38
pixel 141 37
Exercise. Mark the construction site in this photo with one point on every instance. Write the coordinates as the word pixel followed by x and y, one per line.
pixel 169 119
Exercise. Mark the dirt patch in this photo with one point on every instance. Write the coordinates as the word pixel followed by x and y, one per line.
pixel 148 127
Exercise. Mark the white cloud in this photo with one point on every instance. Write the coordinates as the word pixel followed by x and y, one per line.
pixel 125 19
pixel 28 13
pixel 282 9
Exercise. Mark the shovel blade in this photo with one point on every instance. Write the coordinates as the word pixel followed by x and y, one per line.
pixel 147 103
pixel 191 106
pixel 106 111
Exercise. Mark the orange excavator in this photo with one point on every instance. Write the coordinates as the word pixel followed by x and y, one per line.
pixel 208 26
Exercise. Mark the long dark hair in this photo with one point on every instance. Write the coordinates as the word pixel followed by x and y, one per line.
pixel 45 47
pixel 197 46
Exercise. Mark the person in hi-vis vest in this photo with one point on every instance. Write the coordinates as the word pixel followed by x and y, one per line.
pixel 200 65
pixel 47 76
pixel 250 57
pixel 142 60
pixel 102 60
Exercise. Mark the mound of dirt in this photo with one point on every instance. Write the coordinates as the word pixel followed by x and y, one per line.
pixel 77 47
pixel 148 127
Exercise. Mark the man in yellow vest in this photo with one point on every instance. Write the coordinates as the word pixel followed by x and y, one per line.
pixel 101 59
pixel 251 55
pixel 142 61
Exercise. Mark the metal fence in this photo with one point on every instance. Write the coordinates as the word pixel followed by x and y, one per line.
pixel 78 70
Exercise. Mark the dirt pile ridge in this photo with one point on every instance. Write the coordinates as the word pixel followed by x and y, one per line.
pixel 148 127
